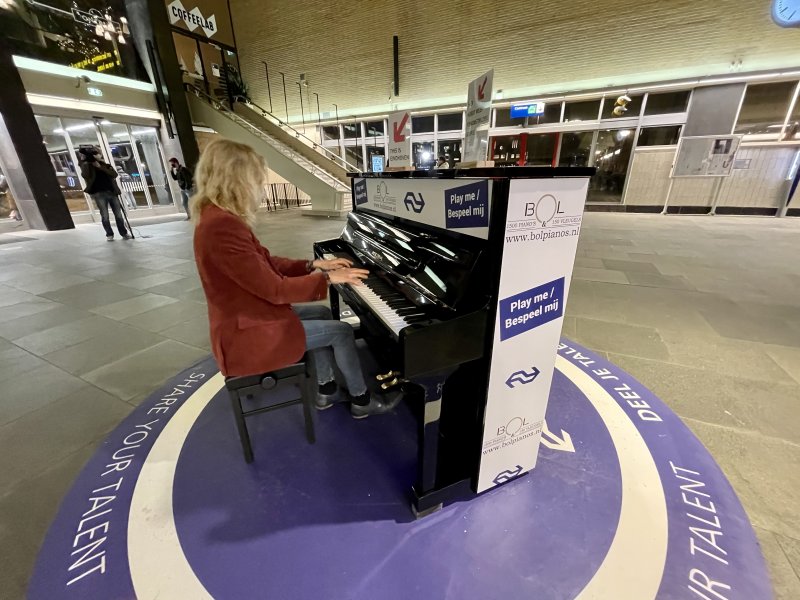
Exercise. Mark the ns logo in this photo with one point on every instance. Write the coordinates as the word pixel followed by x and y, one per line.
pixel 544 210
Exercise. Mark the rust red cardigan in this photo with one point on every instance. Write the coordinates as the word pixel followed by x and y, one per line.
pixel 249 292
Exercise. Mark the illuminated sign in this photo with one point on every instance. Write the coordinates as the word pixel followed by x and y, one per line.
pixel 527 109
pixel 93 91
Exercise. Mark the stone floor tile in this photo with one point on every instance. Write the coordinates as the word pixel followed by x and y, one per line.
pixel 599 275
pixel 57 314
pixel 34 388
pixel 101 350
pixel 33 442
pixel 630 266
pixel 92 295
pixel 147 281
pixel 50 283
pixel 768 488
pixel 193 332
pixel 68 334
pixel 144 370
pixel 703 394
pixel 167 316
pixel 788 359
pixel 676 282
pixel 620 338
pixel 133 306
pixel 29 307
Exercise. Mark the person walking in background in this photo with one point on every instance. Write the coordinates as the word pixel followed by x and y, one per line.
pixel 102 187
pixel 185 181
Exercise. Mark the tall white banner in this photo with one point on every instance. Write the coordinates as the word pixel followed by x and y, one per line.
pixel 399 140
pixel 479 111
pixel 460 205
pixel 541 238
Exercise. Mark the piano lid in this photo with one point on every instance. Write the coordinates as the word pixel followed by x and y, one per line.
pixel 438 268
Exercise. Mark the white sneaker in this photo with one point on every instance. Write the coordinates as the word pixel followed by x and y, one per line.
pixel 109 238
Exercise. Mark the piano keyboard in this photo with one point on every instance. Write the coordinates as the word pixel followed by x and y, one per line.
pixel 393 309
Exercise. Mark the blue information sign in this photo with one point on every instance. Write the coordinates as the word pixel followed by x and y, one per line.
pixel 527 109
pixel 377 163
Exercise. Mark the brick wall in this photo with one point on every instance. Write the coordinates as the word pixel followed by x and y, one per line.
pixel 345 46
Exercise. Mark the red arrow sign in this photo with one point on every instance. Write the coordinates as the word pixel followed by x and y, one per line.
pixel 399 136
pixel 480 89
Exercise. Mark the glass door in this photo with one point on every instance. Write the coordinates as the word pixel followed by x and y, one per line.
pixel 612 157
pixel 151 160
pixel 62 137
pixel 135 193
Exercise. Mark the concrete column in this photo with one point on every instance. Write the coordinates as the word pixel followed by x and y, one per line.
pixel 25 161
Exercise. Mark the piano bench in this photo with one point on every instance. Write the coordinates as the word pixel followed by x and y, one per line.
pixel 246 387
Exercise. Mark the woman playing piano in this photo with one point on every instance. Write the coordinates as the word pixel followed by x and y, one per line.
pixel 255 323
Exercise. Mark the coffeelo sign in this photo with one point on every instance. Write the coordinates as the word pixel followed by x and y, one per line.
pixel 208 18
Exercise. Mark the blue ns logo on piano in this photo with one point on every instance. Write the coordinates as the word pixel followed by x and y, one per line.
pixel 414 201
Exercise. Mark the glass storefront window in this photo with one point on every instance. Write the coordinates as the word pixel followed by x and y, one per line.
pixel 634 107
pixel 330 132
pixel 612 155
pixel 152 162
pixel 450 121
pixel 505 150
pixel 423 154
pixel 540 149
pixel 8 205
pixel 764 108
pixel 575 149
pixel 585 110
pixel 423 124
pixel 352 154
pixel 552 114
pixel 352 131
pixel 502 118
pixel 451 150
pixel 668 102
pixel 130 180
pixel 659 136
pixel 373 128
pixel 59 135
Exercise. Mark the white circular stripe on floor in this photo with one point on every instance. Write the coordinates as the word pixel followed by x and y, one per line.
pixel 159 566
pixel 633 560
pixel 625 502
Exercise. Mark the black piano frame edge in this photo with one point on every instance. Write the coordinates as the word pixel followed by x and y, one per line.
pixel 429 493
pixel 488 172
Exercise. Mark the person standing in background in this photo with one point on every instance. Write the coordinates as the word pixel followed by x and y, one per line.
pixel 185 181
pixel 100 185
pixel 442 163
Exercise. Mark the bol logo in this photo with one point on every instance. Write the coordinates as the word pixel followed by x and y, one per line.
pixel 544 210
pixel 512 427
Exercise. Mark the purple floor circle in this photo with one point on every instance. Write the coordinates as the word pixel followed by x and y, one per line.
pixel 168 506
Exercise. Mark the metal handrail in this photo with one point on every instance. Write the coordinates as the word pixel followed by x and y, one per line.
pixel 350 167
pixel 309 166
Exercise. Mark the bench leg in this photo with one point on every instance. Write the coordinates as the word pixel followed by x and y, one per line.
pixel 306 395
pixel 244 436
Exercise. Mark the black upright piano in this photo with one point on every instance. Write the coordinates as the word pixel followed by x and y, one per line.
pixel 428 309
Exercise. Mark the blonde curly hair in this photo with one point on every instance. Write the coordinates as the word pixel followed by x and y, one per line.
pixel 231 176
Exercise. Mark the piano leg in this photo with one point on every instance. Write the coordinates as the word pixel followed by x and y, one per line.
pixel 333 295
pixel 424 502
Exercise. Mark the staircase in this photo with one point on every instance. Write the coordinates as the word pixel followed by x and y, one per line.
pixel 293 156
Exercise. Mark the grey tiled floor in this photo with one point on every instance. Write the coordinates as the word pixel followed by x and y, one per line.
pixel 704 311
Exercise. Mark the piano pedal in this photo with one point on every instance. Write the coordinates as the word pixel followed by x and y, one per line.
pixel 386 385
pixel 389 375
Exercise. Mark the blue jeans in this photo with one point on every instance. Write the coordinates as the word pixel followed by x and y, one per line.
pixel 103 200
pixel 329 341
pixel 185 195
